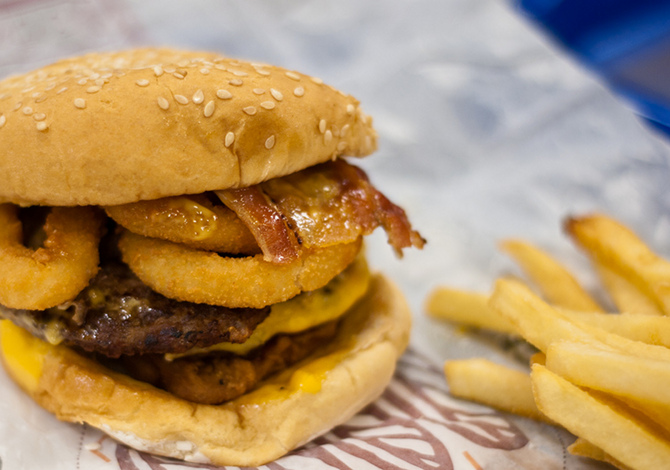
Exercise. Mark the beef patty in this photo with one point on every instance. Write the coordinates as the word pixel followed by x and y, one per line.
pixel 118 315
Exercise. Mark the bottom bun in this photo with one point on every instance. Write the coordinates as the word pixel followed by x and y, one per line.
pixel 283 413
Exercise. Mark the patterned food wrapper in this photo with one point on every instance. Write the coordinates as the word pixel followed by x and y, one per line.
pixel 486 132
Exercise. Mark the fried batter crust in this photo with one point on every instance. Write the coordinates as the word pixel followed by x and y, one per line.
pixel 221 377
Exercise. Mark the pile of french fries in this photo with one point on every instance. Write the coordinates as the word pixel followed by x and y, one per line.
pixel 603 376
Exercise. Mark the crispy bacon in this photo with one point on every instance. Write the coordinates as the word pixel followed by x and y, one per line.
pixel 324 205
pixel 265 222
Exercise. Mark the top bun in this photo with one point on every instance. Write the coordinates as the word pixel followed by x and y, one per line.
pixel 114 128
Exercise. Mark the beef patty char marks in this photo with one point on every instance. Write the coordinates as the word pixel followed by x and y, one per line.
pixel 118 315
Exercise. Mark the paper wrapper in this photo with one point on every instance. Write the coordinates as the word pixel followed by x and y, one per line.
pixel 486 132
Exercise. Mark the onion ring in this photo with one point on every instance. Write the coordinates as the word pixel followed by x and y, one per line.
pixel 184 273
pixel 192 220
pixel 56 272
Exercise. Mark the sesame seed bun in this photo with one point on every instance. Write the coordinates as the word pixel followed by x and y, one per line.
pixel 113 128
pixel 303 402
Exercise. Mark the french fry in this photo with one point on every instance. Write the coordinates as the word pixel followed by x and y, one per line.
pixel 472 309
pixel 615 246
pixel 494 385
pixel 606 423
pixel 650 329
pixel 555 282
pixel 584 448
pixel 467 308
pixel 600 367
pixel 626 296
pixel 540 324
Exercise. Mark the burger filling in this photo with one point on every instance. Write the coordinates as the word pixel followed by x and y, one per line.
pixel 205 296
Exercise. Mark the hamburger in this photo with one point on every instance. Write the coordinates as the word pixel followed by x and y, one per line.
pixel 181 256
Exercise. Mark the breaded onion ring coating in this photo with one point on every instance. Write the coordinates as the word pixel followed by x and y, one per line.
pixel 58 271
pixel 192 220
pixel 183 273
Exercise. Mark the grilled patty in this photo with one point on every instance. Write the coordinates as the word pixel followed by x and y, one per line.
pixel 118 315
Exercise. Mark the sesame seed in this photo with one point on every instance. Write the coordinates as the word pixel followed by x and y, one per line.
pixel 3 120
pixel 62 90
pixel 198 97
pixel 268 104
pixel 270 142
pixel 230 138
pixel 106 76
pixel 235 82
pixel 158 70
pixel 181 99
pixel 344 130
pixel 94 76
pixel 40 98
pixel 41 126
pixel 178 75
pixel 224 94
pixel 250 110
pixel 204 70
pixel 262 72
pixel 258 91
pixel 93 89
pixel 276 94
pixel 142 82
pixel 18 105
pixel 293 75
pixel 220 67
pixel 83 81
pixel 328 137
pixel 322 126
pixel 39 117
pixel 209 109
pixel 170 70
pixel 27 110
pixel 350 109
pixel 28 90
pixel 50 86
pixel 239 73
pixel 4 96
pixel 101 81
pixel 299 91
pixel 316 80
pixel 183 63
pixel 341 146
pixel 163 103
pixel 80 103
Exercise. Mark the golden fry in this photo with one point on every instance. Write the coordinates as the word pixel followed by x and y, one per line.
pixel 467 308
pixel 627 297
pixel 555 282
pixel 494 385
pixel 618 248
pixel 584 448
pixel 606 423
pixel 603 368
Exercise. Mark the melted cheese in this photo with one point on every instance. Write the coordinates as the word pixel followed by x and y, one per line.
pixel 23 354
pixel 303 312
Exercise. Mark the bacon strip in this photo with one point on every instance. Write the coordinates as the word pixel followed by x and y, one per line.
pixel 265 222
pixel 335 203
